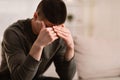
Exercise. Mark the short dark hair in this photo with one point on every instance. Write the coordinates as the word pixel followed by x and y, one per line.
pixel 53 10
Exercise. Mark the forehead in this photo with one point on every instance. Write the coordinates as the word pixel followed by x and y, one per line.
pixel 48 24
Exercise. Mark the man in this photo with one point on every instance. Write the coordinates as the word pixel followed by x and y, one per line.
pixel 30 46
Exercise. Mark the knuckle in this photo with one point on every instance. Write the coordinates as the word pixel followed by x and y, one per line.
pixel 51 37
pixel 47 29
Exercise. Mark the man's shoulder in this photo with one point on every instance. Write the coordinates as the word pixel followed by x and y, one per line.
pixel 18 26
pixel 16 29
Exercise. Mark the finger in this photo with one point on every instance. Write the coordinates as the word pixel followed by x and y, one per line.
pixel 53 32
pixel 52 37
pixel 62 34
pixel 49 29
pixel 62 30
pixel 60 27
pixel 55 36
pixel 57 27
pixel 50 32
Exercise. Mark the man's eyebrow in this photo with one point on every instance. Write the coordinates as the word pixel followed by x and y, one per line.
pixel 50 25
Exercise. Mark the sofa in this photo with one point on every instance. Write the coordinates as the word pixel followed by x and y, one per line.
pixel 97 59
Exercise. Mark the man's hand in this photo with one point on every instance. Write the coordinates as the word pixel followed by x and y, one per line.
pixel 64 33
pixel 46 35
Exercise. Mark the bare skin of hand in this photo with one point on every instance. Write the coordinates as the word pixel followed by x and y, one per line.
pixel 45 37
pixel 65 34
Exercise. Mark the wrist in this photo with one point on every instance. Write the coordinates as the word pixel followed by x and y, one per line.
pixel 70 47
pixel 69 54
pixel 36 51
pixel 38 45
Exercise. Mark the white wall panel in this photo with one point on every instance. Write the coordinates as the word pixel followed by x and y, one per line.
pixel 12 10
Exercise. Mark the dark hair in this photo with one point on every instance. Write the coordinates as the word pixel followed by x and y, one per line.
pixel 53 10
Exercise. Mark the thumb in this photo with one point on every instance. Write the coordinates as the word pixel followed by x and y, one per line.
pixel 42 25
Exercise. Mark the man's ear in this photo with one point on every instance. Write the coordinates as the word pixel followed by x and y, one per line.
pixel 35 16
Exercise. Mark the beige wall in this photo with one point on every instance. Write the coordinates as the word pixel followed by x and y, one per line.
pixel 104 19
pixel 97 18
pixel 107 19
pixel 12 10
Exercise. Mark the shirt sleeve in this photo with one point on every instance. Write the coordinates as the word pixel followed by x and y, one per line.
pixel 65 69
pixel 21 67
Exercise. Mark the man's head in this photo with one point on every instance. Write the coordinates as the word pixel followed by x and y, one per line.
pixel 52 10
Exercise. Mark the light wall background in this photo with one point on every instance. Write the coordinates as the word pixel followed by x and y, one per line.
pixel 106 19
pixel 92 18
pixel 96 18
pixel 13 10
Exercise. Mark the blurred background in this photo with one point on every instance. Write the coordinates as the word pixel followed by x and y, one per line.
pixel 91 18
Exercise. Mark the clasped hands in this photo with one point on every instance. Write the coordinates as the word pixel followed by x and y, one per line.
pixel 49 34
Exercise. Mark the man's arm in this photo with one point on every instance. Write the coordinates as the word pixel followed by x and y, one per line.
pixel 45 37
pixel 21 67
pixel 65 69
pixel 65 34
pixel 65 65
pixel 24 67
